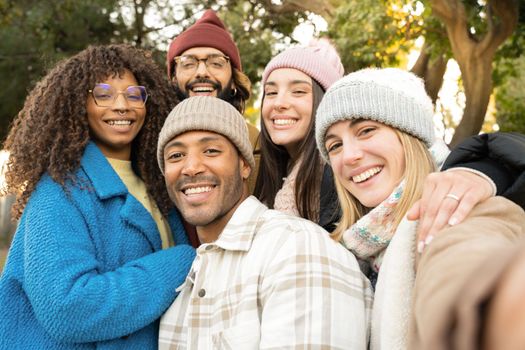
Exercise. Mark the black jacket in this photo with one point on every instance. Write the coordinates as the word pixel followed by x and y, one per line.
pixel 501 156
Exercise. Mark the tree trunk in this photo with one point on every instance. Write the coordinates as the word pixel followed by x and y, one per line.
pixel 476 72
pixel 431 71
pixel 475 55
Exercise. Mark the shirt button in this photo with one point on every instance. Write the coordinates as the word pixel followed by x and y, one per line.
pixel 202 293
pixel 210 247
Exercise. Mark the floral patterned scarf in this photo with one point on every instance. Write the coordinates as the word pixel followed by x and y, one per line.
pixel 370 235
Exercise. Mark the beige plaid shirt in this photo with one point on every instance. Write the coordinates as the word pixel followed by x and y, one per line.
pixel 270 281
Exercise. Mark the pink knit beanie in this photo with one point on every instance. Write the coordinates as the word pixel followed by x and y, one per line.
pixel 319 60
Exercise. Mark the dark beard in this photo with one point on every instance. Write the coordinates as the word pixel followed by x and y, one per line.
pixel 225 94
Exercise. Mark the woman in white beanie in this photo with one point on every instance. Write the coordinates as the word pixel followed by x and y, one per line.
pixel 374 127
pixel 294 178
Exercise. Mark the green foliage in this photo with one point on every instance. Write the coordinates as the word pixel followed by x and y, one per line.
pixel 373 33
pixel 514 47
pixel 34 35
pixel 510 99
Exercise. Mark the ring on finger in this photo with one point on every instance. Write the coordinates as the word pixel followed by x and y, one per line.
pixel 453 196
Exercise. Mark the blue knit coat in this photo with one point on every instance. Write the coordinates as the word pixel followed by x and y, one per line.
pixel 80 273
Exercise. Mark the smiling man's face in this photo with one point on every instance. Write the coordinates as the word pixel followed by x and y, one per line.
pixel 203 81
pixel 204 176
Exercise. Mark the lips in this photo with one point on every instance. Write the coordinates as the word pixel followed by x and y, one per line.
pixel 197 190
pixel 203 86
pixel 283 120
pixel 367 174
pixel 203 89
pixel 119 122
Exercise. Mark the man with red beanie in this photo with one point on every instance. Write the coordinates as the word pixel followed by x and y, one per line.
pixel 204 60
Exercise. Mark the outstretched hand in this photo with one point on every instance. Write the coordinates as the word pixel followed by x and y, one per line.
pixel 447 199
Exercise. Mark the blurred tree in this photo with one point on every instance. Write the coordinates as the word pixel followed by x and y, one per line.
pixel 475 31
pixel 36 34
pixel 510 99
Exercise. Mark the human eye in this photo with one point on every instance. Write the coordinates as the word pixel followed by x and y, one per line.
pixel 174 156
pixel 188 62
pixel 212 151
pixel 216 61
pixel 134 94
pixel 333 146
pixel 299 92
pixel 270 92
pixel 366 130
pixel 102 93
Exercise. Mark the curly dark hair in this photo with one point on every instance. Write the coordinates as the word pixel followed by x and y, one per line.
pixel 51 131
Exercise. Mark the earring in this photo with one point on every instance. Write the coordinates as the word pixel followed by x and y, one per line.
pixel 234 92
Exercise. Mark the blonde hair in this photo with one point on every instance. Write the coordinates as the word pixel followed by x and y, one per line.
pixel 418 164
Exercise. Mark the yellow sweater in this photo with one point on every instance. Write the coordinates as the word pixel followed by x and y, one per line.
pixel 137 188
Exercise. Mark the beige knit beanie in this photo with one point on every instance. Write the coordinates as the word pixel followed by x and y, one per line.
pixel 206 113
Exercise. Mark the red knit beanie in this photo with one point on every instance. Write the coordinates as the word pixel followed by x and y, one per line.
pixel 208 31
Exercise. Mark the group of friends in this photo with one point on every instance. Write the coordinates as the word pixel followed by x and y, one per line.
pixel 152 215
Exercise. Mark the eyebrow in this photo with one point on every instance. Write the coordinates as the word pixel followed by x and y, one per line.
pixel 293 82
pixel 202 140
pixel 353 122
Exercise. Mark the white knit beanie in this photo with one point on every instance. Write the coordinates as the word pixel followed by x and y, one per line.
pixel 319 60
pixel 206 113
pixel 390 96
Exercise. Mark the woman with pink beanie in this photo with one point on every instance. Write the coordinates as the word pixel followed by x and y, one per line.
pixel 294 83
pixel 293 177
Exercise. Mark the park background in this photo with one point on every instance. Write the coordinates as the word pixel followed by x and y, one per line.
pixel 469 52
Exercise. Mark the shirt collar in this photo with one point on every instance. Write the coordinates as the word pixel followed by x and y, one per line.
pixel 242 227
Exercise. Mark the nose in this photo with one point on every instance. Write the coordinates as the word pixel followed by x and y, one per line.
pixel 202 70
pixel 352 153
pixel 120 103
pixel 192 165
pixel 280 101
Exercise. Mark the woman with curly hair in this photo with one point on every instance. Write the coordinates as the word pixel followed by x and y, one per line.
pixel 100 249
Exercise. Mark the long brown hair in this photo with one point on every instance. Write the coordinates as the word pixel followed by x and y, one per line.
pixel 275 162
pixel 418 164
pixel 51 131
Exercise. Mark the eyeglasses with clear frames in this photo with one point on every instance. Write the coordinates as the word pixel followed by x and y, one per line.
pixel 188 64
pixel 105 95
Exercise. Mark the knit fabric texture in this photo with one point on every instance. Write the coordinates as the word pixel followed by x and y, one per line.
pixel 319 61
pixel 206 113
pixel 285 197
pixel 85 269
pixel 390 96
pixel 208 31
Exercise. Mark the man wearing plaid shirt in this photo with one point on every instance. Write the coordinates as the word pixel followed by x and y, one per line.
pixel 261 279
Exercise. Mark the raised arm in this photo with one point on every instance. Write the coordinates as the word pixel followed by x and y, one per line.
pixel 478 168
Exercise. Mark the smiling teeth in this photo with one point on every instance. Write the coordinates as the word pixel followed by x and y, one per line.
pixel 197 190
pixel 284 121
pixel 119 122
pixel 202 89
pixel 366 175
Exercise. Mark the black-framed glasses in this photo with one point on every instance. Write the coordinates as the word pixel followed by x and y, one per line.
pixel 105 95
pixel 214 63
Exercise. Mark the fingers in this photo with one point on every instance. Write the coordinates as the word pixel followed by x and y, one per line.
pixel 447 199
pixel 413 212
pixel 435 190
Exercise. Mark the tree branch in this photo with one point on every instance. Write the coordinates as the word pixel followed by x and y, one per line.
pixel 499 30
